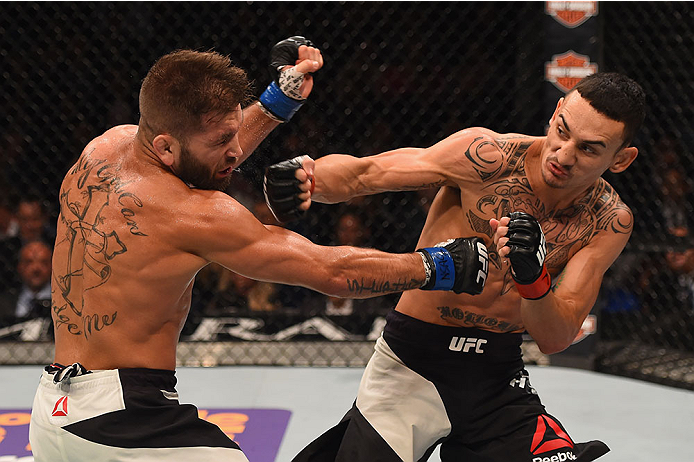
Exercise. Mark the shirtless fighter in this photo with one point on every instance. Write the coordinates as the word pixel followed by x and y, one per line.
pixel 448 368
pixel 141 212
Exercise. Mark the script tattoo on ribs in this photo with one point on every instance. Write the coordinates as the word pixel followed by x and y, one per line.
pixel 506 188
pixel 476 320
pixel 88 242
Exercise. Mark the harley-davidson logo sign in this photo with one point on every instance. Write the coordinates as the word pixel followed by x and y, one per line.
pixel 565 70
pixel 571 14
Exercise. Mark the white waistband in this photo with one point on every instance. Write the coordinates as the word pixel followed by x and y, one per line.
pixel 86 382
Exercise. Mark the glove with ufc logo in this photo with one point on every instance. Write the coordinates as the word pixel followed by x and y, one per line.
pixel 459 265
pixel 526 242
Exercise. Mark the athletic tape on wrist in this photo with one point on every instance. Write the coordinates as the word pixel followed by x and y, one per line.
pixel 269 114
pixel 279 104
pixel 444 268
pixel 537 289
pixel 427 268
pixel 290 81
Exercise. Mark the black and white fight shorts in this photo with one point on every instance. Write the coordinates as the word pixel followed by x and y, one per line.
pixel 120 415
pixel 463 388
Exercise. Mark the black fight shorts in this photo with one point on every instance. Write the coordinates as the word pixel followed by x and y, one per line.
pixel 119 415
pixel 463 388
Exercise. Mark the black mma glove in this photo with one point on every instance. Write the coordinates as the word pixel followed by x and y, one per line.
pixel 459 265
pixel 286 52
pixel 281 188
pixel 282 98
pixel 526 242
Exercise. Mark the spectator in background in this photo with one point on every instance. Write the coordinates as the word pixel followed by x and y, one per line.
pixel 680 261
pixel 390 214
pixel 668 299
pixel 307 136
pixel 424 199
pixel 233 293
pixel 33 221
pixel 668 152
pixel 675 187
pixel 32 297
pixel 236 294
pixel 32 225
pixel 9 227
pixel 620 297
pixel 13 146
pixel 676 199
pixel 351 230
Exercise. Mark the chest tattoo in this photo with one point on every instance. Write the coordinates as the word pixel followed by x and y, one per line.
pixel 505 188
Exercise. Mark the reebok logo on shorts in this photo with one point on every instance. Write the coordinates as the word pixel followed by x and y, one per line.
pixel 548 437
pixel 60 408
pixel 561 457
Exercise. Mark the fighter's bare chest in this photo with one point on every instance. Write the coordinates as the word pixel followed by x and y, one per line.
pixel 566 230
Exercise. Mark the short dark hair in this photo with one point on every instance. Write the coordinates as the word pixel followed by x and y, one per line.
pixel 183 86
pixel 618 97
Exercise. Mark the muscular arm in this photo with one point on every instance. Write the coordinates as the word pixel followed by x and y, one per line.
pixel 256 126
pixel 340 177
pixel 554 321
pixel 230 235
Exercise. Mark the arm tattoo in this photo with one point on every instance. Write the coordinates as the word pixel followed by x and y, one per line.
pixel 415 187
pixel 89 243
pixel 374 287
pixel 558 281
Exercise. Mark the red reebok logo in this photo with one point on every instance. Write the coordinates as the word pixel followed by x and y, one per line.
pixel 60 408
pixel 544 440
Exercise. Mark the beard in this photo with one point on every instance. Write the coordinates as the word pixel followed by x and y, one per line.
pixel 197 174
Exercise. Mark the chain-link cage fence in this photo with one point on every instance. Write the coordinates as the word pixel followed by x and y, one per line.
pixel 647 303
pixel 396 74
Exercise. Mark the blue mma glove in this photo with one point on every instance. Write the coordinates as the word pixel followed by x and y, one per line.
pixel 282 98
pixel 460 265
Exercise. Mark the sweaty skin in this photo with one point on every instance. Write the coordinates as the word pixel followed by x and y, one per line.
pixel 132 235
pixel 482 177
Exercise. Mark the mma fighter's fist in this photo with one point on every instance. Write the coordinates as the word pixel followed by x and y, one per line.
pixel 292 61
pixel 527 251
pixel 460 265
pixel 288 186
